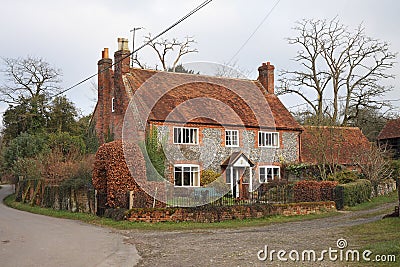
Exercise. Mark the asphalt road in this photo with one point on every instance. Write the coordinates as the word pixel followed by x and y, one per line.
pixel 34 240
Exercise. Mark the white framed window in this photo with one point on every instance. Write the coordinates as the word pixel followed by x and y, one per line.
pixel 268 139
pixel 228 178
pixel 113 104
pixel 232 138
pixel 186 175
pixel 269 173
pixel 184 135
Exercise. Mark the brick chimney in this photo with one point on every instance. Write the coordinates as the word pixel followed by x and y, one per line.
pixel 104 95
pixel 266 76
pixel 122 67
pixel 122 57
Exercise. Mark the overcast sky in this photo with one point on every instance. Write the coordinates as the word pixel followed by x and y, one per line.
pixel 71 34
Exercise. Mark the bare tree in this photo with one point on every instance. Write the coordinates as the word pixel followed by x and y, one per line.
pixel 29 77
pixel 164 47
pixel 231 70
pixel 339 64
pixel 374 165
pixel 324 147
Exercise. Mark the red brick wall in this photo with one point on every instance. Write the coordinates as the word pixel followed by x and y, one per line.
pixel 103 108
pixel 108 124
pixel 217 214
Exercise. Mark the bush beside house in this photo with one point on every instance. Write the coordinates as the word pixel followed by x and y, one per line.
pixel 114 177
pixel 353 193
pixel 314 191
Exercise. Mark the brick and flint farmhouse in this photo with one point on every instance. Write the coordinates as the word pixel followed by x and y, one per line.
pixel 235 127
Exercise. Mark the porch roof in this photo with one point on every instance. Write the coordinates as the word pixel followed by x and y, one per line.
pixel 234 158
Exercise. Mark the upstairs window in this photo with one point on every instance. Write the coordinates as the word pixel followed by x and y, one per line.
pixel 231 138
pixel 268 139
pixel 184 135
pixel 269 173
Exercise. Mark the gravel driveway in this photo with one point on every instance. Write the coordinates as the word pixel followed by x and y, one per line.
pixel 239 247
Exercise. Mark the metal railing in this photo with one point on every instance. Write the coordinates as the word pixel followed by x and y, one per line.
pixel 277 194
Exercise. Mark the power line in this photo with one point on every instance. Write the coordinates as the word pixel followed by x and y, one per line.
pixel 339 100
pixel 151 40
pixel 254 32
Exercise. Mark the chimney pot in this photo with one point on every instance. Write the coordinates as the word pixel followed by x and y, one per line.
pixel 122 56
pixel 104 53
pixel 123 44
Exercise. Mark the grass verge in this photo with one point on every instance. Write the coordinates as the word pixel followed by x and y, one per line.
pixel 381 237
pixel 126 225
pixel 375 202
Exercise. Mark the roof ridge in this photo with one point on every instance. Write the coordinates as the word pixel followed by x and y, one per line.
pixel 334 127
pixel 195 74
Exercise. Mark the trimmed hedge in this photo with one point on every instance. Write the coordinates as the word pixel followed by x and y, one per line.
pixel 352 194
pixel 314 191
pixel 344 177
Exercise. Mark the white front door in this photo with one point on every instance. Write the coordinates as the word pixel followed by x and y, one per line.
pixel 239 184
pixel 236 183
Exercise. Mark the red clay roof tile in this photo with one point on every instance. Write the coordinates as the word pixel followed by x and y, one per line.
pixel 390 130
pixel 177 97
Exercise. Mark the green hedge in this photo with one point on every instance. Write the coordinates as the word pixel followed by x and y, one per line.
pixel 352 194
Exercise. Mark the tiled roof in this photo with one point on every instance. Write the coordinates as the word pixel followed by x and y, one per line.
pixel 390 130
pixel 180 98
pixel 339 145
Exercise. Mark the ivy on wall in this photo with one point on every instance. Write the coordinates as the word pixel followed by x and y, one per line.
pixel 155 158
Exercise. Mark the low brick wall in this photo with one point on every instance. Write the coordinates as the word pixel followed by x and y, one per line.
pixel 218 214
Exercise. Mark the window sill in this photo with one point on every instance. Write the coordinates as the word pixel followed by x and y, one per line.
pixel 187 186
pixel 186 144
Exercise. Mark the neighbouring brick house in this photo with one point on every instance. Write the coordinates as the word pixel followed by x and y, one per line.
pixel 390 137
pixel 332 145
pixel 232 126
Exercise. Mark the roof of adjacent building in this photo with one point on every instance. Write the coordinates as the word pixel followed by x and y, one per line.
pixel 390 130
pixel 329 144
pixel 181 98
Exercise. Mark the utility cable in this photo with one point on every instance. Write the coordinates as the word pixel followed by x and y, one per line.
pixel 254 32
pixel 145 44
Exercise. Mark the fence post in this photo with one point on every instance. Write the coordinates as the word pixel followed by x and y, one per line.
pixel 398 192
pixel 95 201
pixel 154 199
pixel 130 199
